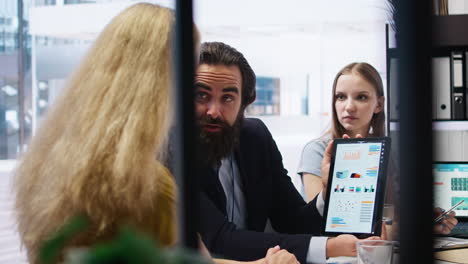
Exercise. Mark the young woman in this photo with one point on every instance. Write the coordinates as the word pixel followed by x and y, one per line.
pixel 358 109
pixel 358 103
pixel 99 151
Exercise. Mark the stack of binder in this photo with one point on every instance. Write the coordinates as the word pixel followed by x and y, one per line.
pixel 450 86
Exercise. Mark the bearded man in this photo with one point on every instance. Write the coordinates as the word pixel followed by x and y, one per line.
pixel 244 182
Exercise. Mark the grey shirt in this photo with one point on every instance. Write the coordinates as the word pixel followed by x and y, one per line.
pixel 312 155
pixel 229 177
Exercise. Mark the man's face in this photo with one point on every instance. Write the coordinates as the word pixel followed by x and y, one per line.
pixel 218 96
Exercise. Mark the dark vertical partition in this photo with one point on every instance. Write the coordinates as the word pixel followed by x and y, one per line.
pixel 184 145
pixel 413 21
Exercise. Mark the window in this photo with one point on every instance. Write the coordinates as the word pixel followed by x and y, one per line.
pixel 267 101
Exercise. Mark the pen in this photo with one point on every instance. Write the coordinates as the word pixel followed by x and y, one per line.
pixel 448 211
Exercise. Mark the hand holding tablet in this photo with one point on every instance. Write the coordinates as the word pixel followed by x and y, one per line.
pixel 356 186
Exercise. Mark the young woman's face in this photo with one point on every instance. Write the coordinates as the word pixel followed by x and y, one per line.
pixel 356 101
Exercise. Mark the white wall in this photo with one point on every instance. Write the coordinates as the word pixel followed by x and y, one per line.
pixel 291 57
pixel 291 134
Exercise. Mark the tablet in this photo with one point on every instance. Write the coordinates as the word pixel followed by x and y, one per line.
pixel 356 187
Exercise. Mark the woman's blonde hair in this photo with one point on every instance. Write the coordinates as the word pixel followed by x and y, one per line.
pixel 97 150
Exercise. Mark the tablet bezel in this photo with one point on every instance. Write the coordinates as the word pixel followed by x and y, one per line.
pixel 379 191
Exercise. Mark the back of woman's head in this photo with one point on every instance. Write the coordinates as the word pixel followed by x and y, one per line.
pixel 96 150
pixel 372 76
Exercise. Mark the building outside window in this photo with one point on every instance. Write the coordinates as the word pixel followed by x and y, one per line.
pixel 14 76
pixel 268 97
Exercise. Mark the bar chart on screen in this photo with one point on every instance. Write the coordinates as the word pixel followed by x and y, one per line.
pixel 338 222
pixel 352 155
pixel 366 212
pixel 374 150
pixel 372 171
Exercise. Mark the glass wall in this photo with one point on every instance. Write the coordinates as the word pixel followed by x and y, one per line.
pixel 15 77
pixel 295 48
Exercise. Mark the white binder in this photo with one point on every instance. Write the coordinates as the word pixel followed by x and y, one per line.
pixel 441 91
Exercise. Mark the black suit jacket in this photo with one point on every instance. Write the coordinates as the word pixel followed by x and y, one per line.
pixel 269 194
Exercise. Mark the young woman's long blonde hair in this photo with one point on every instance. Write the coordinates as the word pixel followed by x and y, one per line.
pixel 97 150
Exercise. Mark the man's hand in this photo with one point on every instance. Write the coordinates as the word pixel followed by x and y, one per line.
pixel 447 223
pixel 344 245
pixel 325 167
pixel 275 255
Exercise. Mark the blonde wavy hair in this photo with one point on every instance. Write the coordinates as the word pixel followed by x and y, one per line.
pixel 95 151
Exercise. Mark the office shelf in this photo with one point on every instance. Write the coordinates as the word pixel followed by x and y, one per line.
pixel 394 126
pixel 450 31
pixel 448 125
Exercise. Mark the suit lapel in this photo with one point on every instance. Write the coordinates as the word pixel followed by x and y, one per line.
pixel 250 168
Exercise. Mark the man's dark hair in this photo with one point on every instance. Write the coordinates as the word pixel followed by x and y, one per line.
pixel 214 53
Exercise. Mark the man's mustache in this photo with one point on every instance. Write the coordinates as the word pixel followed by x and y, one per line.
pixel 213 121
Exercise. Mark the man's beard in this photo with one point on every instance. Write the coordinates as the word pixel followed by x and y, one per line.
pixel 214 146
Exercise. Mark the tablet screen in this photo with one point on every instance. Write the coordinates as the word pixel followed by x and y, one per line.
pixel 356 186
